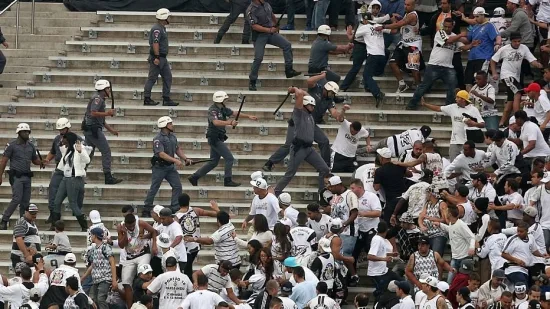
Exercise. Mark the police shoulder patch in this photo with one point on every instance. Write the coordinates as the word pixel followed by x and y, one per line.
pixel 156 33
pixel 97 100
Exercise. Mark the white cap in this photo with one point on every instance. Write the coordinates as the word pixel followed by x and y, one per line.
pixel 144 268
pixel 431 281
pixel 384 152
pixel 443 286
pixel 324 29
pixel 35 292
pixel 332 86
pixel 102 84
pixel 162 14
pixel 392 287
pixel 62 123
pixel 219 96
pixel 324 245
pixel 336 223
pixel 22 127
pixel 285 199
pixel 480 11
pixel 375 2
pixel 309 100
pixel 163 240
pixel 545 178
pixel 514 1
pixel 70 258
pixel 334 180
pixel 157 209
pixel 499 11
pixel 95 217
pixel 286 221
pixel 256 175
pixel 163 122
pixel 512 120
pixel 259 183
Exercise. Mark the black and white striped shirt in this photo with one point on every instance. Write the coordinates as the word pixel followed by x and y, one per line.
pixel 225 247
pixel 216 282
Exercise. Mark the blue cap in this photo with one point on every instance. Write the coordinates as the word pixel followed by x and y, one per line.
pixel 291 262
pixel 97 232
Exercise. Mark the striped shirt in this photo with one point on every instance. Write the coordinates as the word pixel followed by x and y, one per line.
pixel 29 232
pixel 216 282
pixel 225 247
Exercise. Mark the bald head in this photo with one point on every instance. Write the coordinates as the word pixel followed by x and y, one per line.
pixel 409 5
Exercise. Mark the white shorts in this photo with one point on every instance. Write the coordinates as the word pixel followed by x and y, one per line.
pixel 129 268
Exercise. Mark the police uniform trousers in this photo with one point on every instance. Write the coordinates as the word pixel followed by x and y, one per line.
pixel 55 181
pixel 307 154
pixel 100 141
pixel 274 39
pixel 154 70
pixel 2 62
pixel 73 189
pixel 218 149
pixel 20 196
pixel 237 8
pixel 318 136
pixel 159 173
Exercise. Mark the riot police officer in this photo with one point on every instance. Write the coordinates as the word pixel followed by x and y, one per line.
pixel 164 164
pixel 93 124
pixel 218 115
pixel 2 57
pixel 21 152
pixel 158 64
pixel 263 22
pixel 63 125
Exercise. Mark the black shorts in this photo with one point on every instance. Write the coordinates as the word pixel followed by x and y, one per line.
pixel 512 87
pixel 472 67
pixel 408 58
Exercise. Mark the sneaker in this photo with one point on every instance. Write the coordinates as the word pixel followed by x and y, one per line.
pixel 290 73
pixel 380 99
pixel 268 166
pixel 402 88
pixel 169 102
pixel 252 85
pixel 150 102
pixel 231 184
pixel 217 40
pixel 193 180
pixel 287 27
pixel 353 281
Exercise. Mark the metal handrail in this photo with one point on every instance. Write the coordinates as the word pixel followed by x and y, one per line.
pixel 17 10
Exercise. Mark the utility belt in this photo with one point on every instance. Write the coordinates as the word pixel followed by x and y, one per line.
pixel 299 143
pixel 90 128
pixel 214 137
pixel 156 161
pixel 255 34
pixel 12 174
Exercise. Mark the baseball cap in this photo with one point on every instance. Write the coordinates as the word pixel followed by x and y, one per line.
pixel 530 211
pixel 431 281
pixel 499 273
pixel 256 175
pixel 259 183
pixel 463 94
pixel 171 262
pixel 95 217
pixel 384 152
pixel 324 245
pixel 465 293
pixel 144 268
pixel 392 287
pixel 546 177
pixel 336 224
pixel 97 232
pixel 19 266
pixel 498 135
pixel 284 198
pixel 482 204
pixel 479 176
pixel 520 287
pixel 404 286
pixel 166 212
pixel 426 131
pixel 335 180
pixel 35 292
pixel 291 262
pixel 480 11
pixel 467 266
pixel 286 221
pixel 534 304
pixel 157 209
pixel 287 287
pixel 163 240
pixel 70 258
pixel 32 208
pixel 423 240
pixel 443 286
pixel 512 120
pixel 532 87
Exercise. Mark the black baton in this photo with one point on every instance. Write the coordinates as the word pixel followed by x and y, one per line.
pixel 281 105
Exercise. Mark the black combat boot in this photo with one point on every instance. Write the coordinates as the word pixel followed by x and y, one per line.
pixel 110 179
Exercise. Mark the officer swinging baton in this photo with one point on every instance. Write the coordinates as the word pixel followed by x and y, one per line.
pixel 281 105
pixel 279 20
pixel 42 166
pixel 112 97
pixel 239 112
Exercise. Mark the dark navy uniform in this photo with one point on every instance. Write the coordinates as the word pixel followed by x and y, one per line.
pixel 216 137
pixel 20 154
pixel 93 131
pixel 158 35
pixel 167 143
pixel 2 57
pixel 237 8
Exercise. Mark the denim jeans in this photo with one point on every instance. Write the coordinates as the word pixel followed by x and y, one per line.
pixel 348 244
pixel 358 55
pixel 87 285
pixel 374 65
pixel 438 244
pixel 491 122
pixel 431 74
pixel 320 13
pixel 237 8
pixel 517 277
pixel 381 282
pixel 455 263
pixel 73 189
pixel 99 293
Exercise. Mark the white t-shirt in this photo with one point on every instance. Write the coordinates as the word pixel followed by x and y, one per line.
pixel 288 303
pixel 173 287
pixel 345 143
pixel 405 141
pixel 292 214
pixel 373 39
pixel 321 227
pixel 406 303
pixel 458 134
pixel 512 59
pixel 368 202
pixel 542 106
pixel 543 13
pixel 378 247
pixel 485 108
pixel 202 299
pixel 522 250
pixel 268 206
pixel 531 132
pixel 516 199
pixel 442 53
pixel 322 301
pixel 174 230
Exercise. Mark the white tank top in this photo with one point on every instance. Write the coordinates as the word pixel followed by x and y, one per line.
pixel 434 163
pixel 469 214
pixel 328 270
pixel 431 303
pixel 411 34
pixel 136 246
